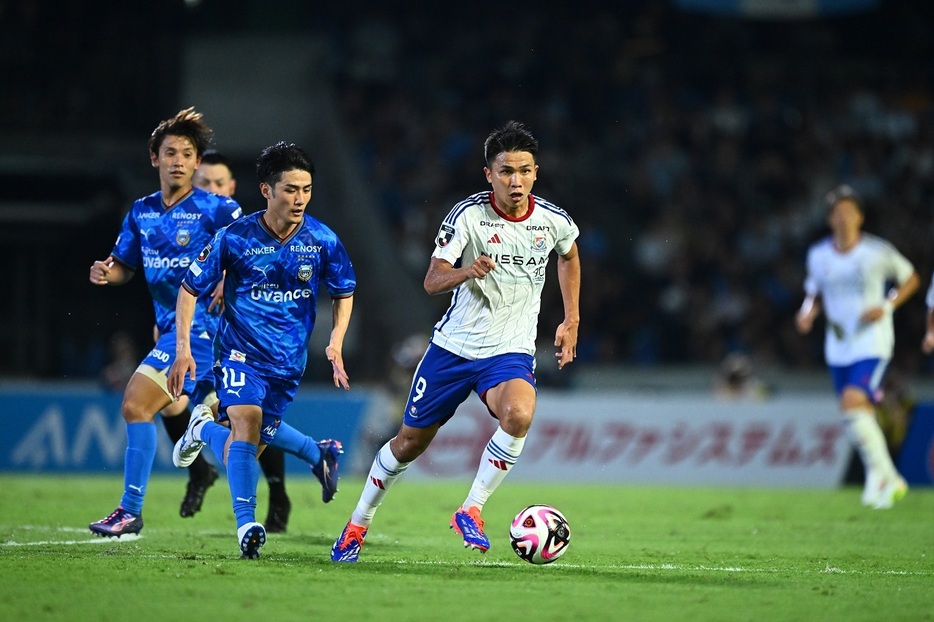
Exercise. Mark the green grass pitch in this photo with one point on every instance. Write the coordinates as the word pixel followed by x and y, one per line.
pixel 636 553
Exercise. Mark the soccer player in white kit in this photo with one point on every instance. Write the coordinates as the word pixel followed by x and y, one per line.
pixel 492 252
pixel 847 273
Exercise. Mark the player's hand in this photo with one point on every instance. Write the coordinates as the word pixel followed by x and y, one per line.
pixel 100 271
pixel 341 379
pixel 927 344
pixel 566 339
pixel 480 267
pixel 217 299
pixel 804 322
pixel 872 315
pixel 184 364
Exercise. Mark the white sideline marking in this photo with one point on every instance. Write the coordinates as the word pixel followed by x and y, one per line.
pixel 130 537
pixel 675 567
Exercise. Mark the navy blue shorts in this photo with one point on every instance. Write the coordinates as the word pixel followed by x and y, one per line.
pixel 866 374
pixel 442 381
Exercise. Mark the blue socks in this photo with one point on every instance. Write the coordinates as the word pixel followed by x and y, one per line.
pixel 140 453
pixel 291 441
pixel 215 436
pixel 242 476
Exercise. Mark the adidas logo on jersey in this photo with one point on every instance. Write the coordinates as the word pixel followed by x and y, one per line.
pixel 495 239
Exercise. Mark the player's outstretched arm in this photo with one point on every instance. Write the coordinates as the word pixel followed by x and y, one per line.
pixel 341 309
pixel 110 272
pixel 569 279
pixel 184 361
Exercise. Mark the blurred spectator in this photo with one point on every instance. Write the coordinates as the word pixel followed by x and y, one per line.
pixel 736 381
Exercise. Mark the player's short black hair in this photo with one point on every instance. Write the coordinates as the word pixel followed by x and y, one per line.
pixel 279 158
pixel 841 193
pixel 513 136
pixel 187 123
pixel 213 156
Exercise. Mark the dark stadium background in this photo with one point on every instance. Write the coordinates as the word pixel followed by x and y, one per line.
pixel 692 149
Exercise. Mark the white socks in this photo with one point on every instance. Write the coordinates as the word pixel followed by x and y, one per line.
pixel 497 460
pixel 383 474
pixel 866 434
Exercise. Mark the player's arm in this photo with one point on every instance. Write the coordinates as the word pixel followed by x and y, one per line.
pixel 110 272
pixel 895 298
pixel 569 279
pixel 184 362
pixel 341 308
pixel 443 277
pixel 810 309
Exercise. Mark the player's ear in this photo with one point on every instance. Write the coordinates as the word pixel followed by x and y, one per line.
pixel 264 190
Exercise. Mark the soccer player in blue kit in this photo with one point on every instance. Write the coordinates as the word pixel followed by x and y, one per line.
pixel 274 261
pixel 492 252
pixel 161 234
pixel 215 174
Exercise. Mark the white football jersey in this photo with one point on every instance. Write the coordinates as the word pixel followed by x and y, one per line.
pixel 850 283
pixel 498 314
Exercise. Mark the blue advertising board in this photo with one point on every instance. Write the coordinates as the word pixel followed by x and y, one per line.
pixel 916 457
pixel 54 428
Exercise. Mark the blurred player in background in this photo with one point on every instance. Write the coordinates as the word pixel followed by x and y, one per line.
pixel 492 251
pixel 215 174
pixel 161 233
pixel 273 263
pixel 847 273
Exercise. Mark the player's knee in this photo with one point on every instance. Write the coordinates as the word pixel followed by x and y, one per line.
pixel 408 447
pixel 853 398
pixel 133 412
pixel 516 419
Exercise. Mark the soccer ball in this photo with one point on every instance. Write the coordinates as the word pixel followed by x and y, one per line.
pixel 540 534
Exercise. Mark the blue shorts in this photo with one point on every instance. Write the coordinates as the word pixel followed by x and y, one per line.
pixel 443 380
pixel 866 375
pixel 238 384
pixel 162 356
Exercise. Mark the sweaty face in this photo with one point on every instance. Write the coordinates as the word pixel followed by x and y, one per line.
pixel 287 200
pixel 214 178
pixel 512 175
pixel 177 160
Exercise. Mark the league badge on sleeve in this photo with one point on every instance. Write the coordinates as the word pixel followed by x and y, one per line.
pixel 204 253
pixel 445 235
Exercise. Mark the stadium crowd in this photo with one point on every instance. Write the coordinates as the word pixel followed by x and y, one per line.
pixel 694 151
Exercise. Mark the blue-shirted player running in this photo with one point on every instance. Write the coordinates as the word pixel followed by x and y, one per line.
pixel 162 234
pixel 274 261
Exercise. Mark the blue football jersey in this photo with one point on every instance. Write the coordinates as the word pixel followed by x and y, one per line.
pixel 164 241
pixel 270 290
